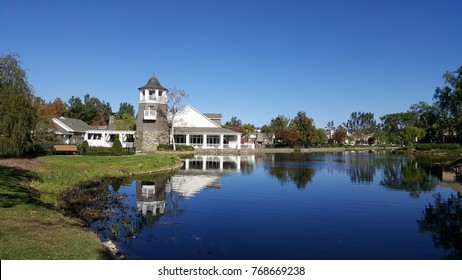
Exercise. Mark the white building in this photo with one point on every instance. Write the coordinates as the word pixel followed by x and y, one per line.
pixel 75 131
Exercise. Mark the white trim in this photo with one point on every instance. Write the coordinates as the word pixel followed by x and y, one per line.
pixel 61 124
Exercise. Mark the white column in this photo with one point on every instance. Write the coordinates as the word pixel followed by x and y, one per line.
pixel 238 142
pixel 187 140
pixel 221 141
pixel 238 161
pixel 204 163
pixel 204 141
pixel 186 164
pixel 221 163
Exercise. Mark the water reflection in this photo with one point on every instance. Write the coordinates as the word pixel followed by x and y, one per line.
pixel 290 168
pixel 405 174
pixel 200 210
pixel 443 219
pixel 361 167
pixel 150 197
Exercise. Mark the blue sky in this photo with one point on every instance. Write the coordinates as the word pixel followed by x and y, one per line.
pixel 254 59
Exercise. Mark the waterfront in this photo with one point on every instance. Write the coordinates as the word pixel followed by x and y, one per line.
pixel 284 206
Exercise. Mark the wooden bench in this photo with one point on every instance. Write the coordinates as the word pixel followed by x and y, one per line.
pixel 65 149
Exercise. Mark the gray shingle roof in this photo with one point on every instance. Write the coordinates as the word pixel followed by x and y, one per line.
pixel 153 83
pixel 205 130
pixel 75 124
pixel 212 115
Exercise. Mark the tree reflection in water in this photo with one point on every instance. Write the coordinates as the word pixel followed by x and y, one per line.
pixel 444 221
pixel 405 174
pixel 298 175
pixel 361 168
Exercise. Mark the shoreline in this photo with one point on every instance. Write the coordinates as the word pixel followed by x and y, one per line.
pixel 276 150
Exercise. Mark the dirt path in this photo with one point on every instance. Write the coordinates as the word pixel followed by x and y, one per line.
pixel 23 163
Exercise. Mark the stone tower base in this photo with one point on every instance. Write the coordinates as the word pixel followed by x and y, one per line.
pixel 147 141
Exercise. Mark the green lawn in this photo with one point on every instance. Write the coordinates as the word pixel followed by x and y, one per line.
pixel 31 225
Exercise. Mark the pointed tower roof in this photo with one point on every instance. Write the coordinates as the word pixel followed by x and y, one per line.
pixel 153 83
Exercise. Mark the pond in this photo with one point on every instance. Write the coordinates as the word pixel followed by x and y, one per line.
pixel 287 206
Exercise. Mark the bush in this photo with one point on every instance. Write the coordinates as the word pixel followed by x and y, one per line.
pixel 435 146
pixel 42 148
pixel 179 148
pixel 297 149
pixel 104 151
pixel 117 147
pixel 84 147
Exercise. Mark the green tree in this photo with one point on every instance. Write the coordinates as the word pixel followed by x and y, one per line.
pixel 279 126
pixel 126 122
pixel 17 113
pixel 412 134
pixel 125 108
pixel 361 125
pixel 449 97
pixel 234 122
pixel 395 124
pixel 321 137
pixel 248 129
pixel 92 110
pixel 305 128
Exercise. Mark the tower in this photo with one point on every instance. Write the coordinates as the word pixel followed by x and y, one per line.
pixel 151 123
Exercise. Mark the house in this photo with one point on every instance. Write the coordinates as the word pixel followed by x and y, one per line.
pixel 264 138
pixel 190 127
pixel 75 131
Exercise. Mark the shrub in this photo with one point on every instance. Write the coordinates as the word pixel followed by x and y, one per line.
pixel 117 147
pixel 104 151
pixel 84 147
pixel 179 148
pixel 165 147
pixel 435 146
pixel 297 149
pixel 42 148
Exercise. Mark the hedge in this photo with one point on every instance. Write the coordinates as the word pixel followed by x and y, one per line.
pixel 179 148
pixel 436 146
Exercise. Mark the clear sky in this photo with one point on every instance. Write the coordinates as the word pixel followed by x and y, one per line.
pixel 253 59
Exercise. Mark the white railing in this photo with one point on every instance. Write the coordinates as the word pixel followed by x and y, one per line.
pixel 156 98
pixel 150 114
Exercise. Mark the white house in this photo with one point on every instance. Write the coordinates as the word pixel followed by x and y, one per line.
pixel 192 128
pixel 75 131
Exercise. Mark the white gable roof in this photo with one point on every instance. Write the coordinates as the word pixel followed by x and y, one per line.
pixel 191 117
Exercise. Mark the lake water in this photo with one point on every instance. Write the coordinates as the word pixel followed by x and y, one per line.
pixel 286 206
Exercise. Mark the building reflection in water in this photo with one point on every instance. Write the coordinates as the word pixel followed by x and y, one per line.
pixel 198 173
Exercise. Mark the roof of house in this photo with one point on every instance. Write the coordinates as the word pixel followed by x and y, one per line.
pixel 153 83
pixel 70 124
pixel 216 118
pixel 206 130
pixel 213 115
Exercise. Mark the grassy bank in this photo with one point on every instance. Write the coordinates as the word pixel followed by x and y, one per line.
pixel 62 172
pixel 31 225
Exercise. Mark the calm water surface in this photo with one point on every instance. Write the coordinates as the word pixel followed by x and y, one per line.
pixel 285 206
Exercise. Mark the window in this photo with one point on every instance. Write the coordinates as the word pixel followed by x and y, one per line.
pixel 213 139
pixel 180 139
pixel 197 139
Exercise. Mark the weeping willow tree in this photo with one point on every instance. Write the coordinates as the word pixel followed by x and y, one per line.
pixel 17 114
